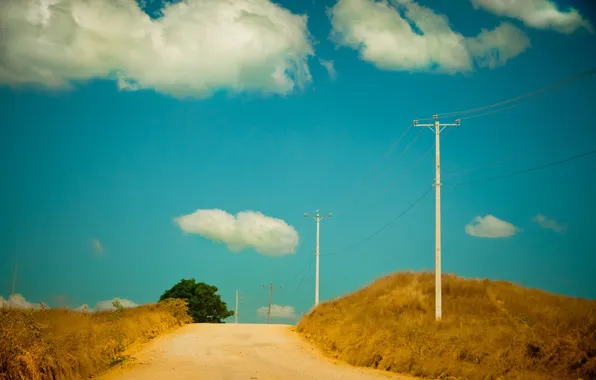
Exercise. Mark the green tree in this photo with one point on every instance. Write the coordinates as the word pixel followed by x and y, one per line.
pixel 204 304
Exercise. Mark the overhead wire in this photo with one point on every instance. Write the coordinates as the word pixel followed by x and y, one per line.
pixel 554 163
pixel 409 145
pixel 572 78
pixel 394 145
pixel 486 165
pixel 416 163
pixel 382 228
pixel 301 281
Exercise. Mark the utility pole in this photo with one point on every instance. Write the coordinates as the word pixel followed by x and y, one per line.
pixel 236 313
pixel 14 277
pixel 270 301
pixel 318 218
pixel 437 128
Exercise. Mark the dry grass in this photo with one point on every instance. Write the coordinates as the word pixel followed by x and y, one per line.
pixel 489 330
pixel 64 344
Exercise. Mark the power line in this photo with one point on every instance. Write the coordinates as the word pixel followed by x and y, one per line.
pixel 495 162
pixel 584 74
pixel 384 227
pixel 416 163
pixel 301 281
pixel 409 145
pixel 383 158
pixel 525 170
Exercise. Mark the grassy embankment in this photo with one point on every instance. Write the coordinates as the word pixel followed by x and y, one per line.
pixel 65 344
pixel 489 330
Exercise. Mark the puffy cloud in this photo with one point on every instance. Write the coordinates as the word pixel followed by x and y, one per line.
pixel 328 65
pixel 97 247
pixel 418 40
pixel 195 48
pixel 17 301
pixel 549 224
pixel 278 311
pixel 249 229
pixel 495 47
pixel 540 14
pixel 490 226
pixel 107 305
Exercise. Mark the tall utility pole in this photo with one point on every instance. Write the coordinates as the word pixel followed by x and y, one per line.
pixel 236 312
pixel 318 218
pixel 270 301
pixel 437 127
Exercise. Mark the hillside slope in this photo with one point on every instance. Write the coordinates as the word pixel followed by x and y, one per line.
pixel 490 329
pixel 64 344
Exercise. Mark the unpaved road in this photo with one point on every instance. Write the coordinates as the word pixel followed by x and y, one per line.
pixel 237 352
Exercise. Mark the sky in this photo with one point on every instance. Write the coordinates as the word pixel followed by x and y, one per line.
pixel 147 142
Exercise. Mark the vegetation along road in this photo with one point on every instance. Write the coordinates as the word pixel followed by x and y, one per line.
pixel 237 351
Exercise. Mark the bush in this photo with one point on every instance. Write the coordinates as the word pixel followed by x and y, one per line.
pixel 204 304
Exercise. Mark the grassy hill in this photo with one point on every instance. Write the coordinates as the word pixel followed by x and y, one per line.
pixel 65 344
pixel 489 330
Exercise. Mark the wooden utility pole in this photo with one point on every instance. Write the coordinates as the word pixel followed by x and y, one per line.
pixel 236 313
pixel 270 300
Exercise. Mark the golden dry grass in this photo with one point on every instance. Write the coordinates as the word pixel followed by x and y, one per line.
pixel 489 330
pixel 65 344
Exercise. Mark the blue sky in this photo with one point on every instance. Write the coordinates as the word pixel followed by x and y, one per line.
pixel 97 173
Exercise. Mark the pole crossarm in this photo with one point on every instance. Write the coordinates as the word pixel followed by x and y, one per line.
pixel 437 128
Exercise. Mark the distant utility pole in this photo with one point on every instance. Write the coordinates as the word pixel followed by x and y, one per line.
pixel 437 127
pixel 270 300
pixel 14 277
pixel 318 218
pixel 236 312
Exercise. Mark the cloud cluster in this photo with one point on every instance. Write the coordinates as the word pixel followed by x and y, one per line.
pixel 17 301
pixel 549 224
pixel 490 226
pixel 248 229
pixel 403 35
pixel 106 305
pixel 194 49
pixel 278 311
pixel 540 14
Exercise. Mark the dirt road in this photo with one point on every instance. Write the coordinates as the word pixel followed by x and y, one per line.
pixel 237 352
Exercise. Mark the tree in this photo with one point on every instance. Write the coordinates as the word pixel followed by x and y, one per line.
pixel 204 304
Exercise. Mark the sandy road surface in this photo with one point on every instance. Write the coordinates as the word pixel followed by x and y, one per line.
pixel 237 352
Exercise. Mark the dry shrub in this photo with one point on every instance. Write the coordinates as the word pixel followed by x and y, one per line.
pixel 66 344
pixel 489 330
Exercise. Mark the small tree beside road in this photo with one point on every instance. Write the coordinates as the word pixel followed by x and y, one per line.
pixel 204 304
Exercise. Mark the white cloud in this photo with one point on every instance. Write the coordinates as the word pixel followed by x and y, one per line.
pixel 97 247
pixel 385 37
pixel 549 224
pixel 278 311
pixel 17 301
pixel 490 226
pixel 194 49
pixel 249 229
pixel 495 47
pixel 540 14
pixel 328 65
pixel 106 305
